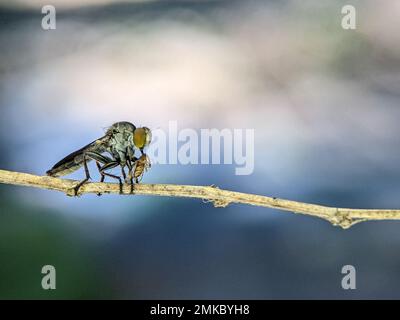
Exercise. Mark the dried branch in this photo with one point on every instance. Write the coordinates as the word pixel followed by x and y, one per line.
pixel 342 217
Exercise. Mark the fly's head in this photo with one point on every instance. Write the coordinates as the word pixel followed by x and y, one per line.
pixel 142 138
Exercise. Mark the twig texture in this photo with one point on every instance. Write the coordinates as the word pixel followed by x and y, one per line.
pixel 342 217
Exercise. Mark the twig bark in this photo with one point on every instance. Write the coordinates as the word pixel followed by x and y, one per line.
pixel 342 217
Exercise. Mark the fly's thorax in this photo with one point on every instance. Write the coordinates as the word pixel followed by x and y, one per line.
pixel 121 131
pixel 121 140
pixel 123 126
pixel 119 155
pixel 121 150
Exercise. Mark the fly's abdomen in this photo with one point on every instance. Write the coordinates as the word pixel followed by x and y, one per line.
pixel 66 166
pixel 75 160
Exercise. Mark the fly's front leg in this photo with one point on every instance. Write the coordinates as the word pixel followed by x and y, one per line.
pixel 130 163
pixel 130 176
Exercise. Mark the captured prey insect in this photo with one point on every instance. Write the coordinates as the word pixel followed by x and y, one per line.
pixel 141 165
pixel 119 142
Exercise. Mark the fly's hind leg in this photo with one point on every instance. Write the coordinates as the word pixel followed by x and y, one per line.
pixel 108 166
pixel 80 184
pixel 101 173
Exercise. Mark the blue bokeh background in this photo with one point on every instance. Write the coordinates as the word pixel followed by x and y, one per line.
pixel 324 104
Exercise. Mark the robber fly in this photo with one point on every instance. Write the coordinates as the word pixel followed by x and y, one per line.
pixel 119 143
pixel 141 165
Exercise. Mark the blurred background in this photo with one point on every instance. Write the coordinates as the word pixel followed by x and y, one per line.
pixel 324 103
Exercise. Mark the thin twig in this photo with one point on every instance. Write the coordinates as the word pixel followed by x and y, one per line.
pixel 342 217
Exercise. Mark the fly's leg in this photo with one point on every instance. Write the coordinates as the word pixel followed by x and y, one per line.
pixel 108 166
pixel 121 185
pixel 100 159
pixel 130 175
pixel 80 184
pixel 123 172
pixel 128 163
pixel 102 175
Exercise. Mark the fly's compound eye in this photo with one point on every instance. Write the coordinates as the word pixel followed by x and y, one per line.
pixel 148 136
pixel 142 137
pixel 139 138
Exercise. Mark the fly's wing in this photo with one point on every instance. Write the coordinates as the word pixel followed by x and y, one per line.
pixel 74 161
